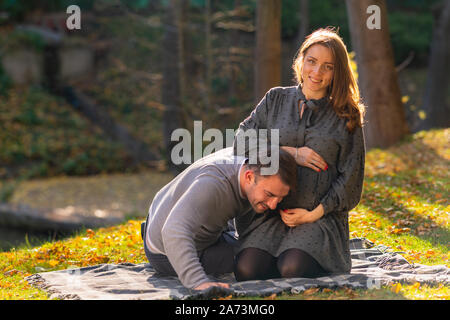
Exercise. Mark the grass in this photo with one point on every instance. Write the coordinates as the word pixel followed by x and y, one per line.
pixel 405 206
pixel 107 245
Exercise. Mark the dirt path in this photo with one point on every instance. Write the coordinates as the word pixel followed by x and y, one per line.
pixel 103 196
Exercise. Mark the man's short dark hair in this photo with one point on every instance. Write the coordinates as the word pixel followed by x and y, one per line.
pixel 287 168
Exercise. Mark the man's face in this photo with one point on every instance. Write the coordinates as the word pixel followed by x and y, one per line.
pixel 265 192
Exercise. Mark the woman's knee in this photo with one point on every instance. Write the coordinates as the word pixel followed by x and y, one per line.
pixel 244 268
pixel 290 270
pixel 254 264
pixel 295 263
pixel 242 272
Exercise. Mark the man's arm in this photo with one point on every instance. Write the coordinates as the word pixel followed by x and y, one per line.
pixel 194 209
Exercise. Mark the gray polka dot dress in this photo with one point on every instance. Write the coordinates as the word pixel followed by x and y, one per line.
pixel 338 188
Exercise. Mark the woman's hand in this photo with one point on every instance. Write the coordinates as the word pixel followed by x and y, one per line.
pixel 307 157
pixel 294 217
pixel 297 216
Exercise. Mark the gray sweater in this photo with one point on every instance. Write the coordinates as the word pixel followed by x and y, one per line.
pixel 190 213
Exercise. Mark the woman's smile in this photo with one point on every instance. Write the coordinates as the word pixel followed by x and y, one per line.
pixel 315 80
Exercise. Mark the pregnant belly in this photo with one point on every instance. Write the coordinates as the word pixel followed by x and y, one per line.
pixel 311 187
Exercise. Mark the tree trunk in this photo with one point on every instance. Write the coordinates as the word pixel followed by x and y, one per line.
pixel 436 104
pixel 303 29
pixel 268 47
pixel 233 35
pixel 385 122
pixel 294 45
pixel 183 44
pixel 208 53
pixel 172 85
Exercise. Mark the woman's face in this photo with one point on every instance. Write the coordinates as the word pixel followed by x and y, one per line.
pixel 318 71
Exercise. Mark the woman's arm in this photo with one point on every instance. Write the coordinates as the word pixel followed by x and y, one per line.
pixel 307 157
pixel 294 217
pixel 345 191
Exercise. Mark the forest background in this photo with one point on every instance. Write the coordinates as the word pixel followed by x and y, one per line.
pixel 86 114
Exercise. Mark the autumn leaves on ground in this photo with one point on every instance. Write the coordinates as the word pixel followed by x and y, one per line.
pixel 405 206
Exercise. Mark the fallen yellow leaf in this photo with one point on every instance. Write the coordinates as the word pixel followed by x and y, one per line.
pixel 310 291
pixel 396 287
pixel 90 233
pixel 416 285
pixel 53 263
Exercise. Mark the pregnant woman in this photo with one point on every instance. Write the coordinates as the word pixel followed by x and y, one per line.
pixel 320 124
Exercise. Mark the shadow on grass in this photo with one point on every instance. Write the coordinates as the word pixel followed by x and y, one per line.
pixel 422 157
pixel 402 216
pixel 419 178
pixel 27 239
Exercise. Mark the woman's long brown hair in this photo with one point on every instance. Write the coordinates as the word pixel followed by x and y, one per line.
pixel 343 90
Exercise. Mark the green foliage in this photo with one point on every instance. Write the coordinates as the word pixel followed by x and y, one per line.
pixel 290 18
pixel 20 39
pixel 43 136
pixel 136 4
pixel 197 3
pixel 7 190
pixel 330 13
pixel 129 85
pixel 411 31
pixel 410 24
pixel 5 82
pixel 220 85
pixel 410 21
pixel 18 8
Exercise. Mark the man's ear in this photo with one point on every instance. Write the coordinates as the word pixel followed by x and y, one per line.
pixel 249 176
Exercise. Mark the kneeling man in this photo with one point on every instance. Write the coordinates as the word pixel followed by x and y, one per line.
pixel 184 231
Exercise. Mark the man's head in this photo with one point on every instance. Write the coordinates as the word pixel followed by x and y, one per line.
pixel 264 192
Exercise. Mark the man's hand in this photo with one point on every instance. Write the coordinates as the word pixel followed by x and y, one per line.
pixel 297 216
pixel 206 285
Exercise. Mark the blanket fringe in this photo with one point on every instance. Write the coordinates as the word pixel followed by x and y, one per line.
pixel 37 281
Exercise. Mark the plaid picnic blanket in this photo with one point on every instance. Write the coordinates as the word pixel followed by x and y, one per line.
pixel 372 267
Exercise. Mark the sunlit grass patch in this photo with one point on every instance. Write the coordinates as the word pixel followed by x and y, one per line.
pixel 106 245
pixel 394 291
pixel 406 198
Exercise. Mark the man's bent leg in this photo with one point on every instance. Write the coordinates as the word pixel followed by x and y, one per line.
pixel 218 258
pixel 159 262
